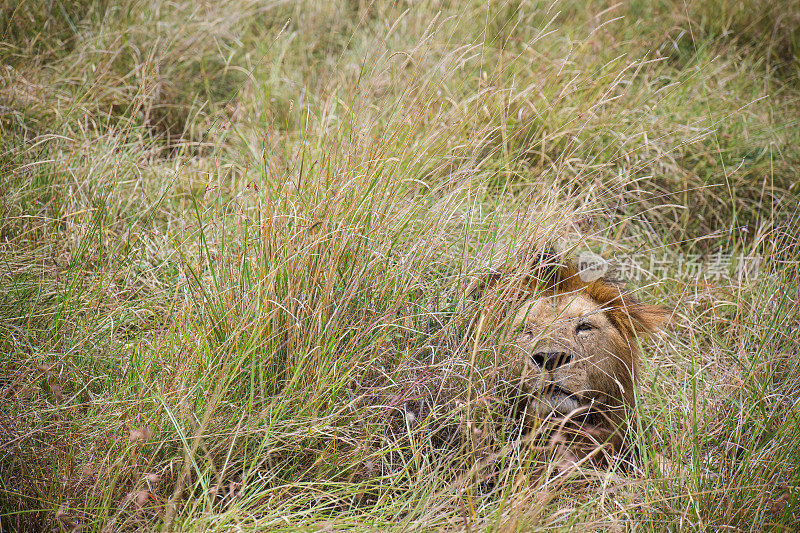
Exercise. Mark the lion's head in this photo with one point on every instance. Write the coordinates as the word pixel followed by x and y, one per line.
pixel 574 347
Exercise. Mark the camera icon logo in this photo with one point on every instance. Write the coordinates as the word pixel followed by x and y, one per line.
pixel 591 266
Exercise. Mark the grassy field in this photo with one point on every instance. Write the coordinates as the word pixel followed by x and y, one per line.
pixel 230 231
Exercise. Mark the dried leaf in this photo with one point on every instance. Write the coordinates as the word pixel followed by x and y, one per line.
pixel 140 498
pixel 780 504
pixel 234 489
pixel 55 390
pixel 64 520
pixel 50 383
pixel 140 435
pixel 324 526
pixel 152 478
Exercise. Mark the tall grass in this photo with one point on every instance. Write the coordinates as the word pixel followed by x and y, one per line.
pixel 237 239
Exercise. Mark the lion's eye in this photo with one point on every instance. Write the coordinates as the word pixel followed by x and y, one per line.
pixel 527 330
pixel 583 327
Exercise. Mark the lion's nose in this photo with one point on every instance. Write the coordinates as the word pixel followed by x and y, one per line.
pixel 550 360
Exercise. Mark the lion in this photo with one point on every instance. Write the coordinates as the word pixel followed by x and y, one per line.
pixel 554 360
pixel 574 356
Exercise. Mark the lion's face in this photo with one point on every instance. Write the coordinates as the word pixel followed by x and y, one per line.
pixel 575 359
pixel 575 350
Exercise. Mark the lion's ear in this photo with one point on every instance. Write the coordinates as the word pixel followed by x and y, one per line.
pixel 633 316
pixel 649 318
